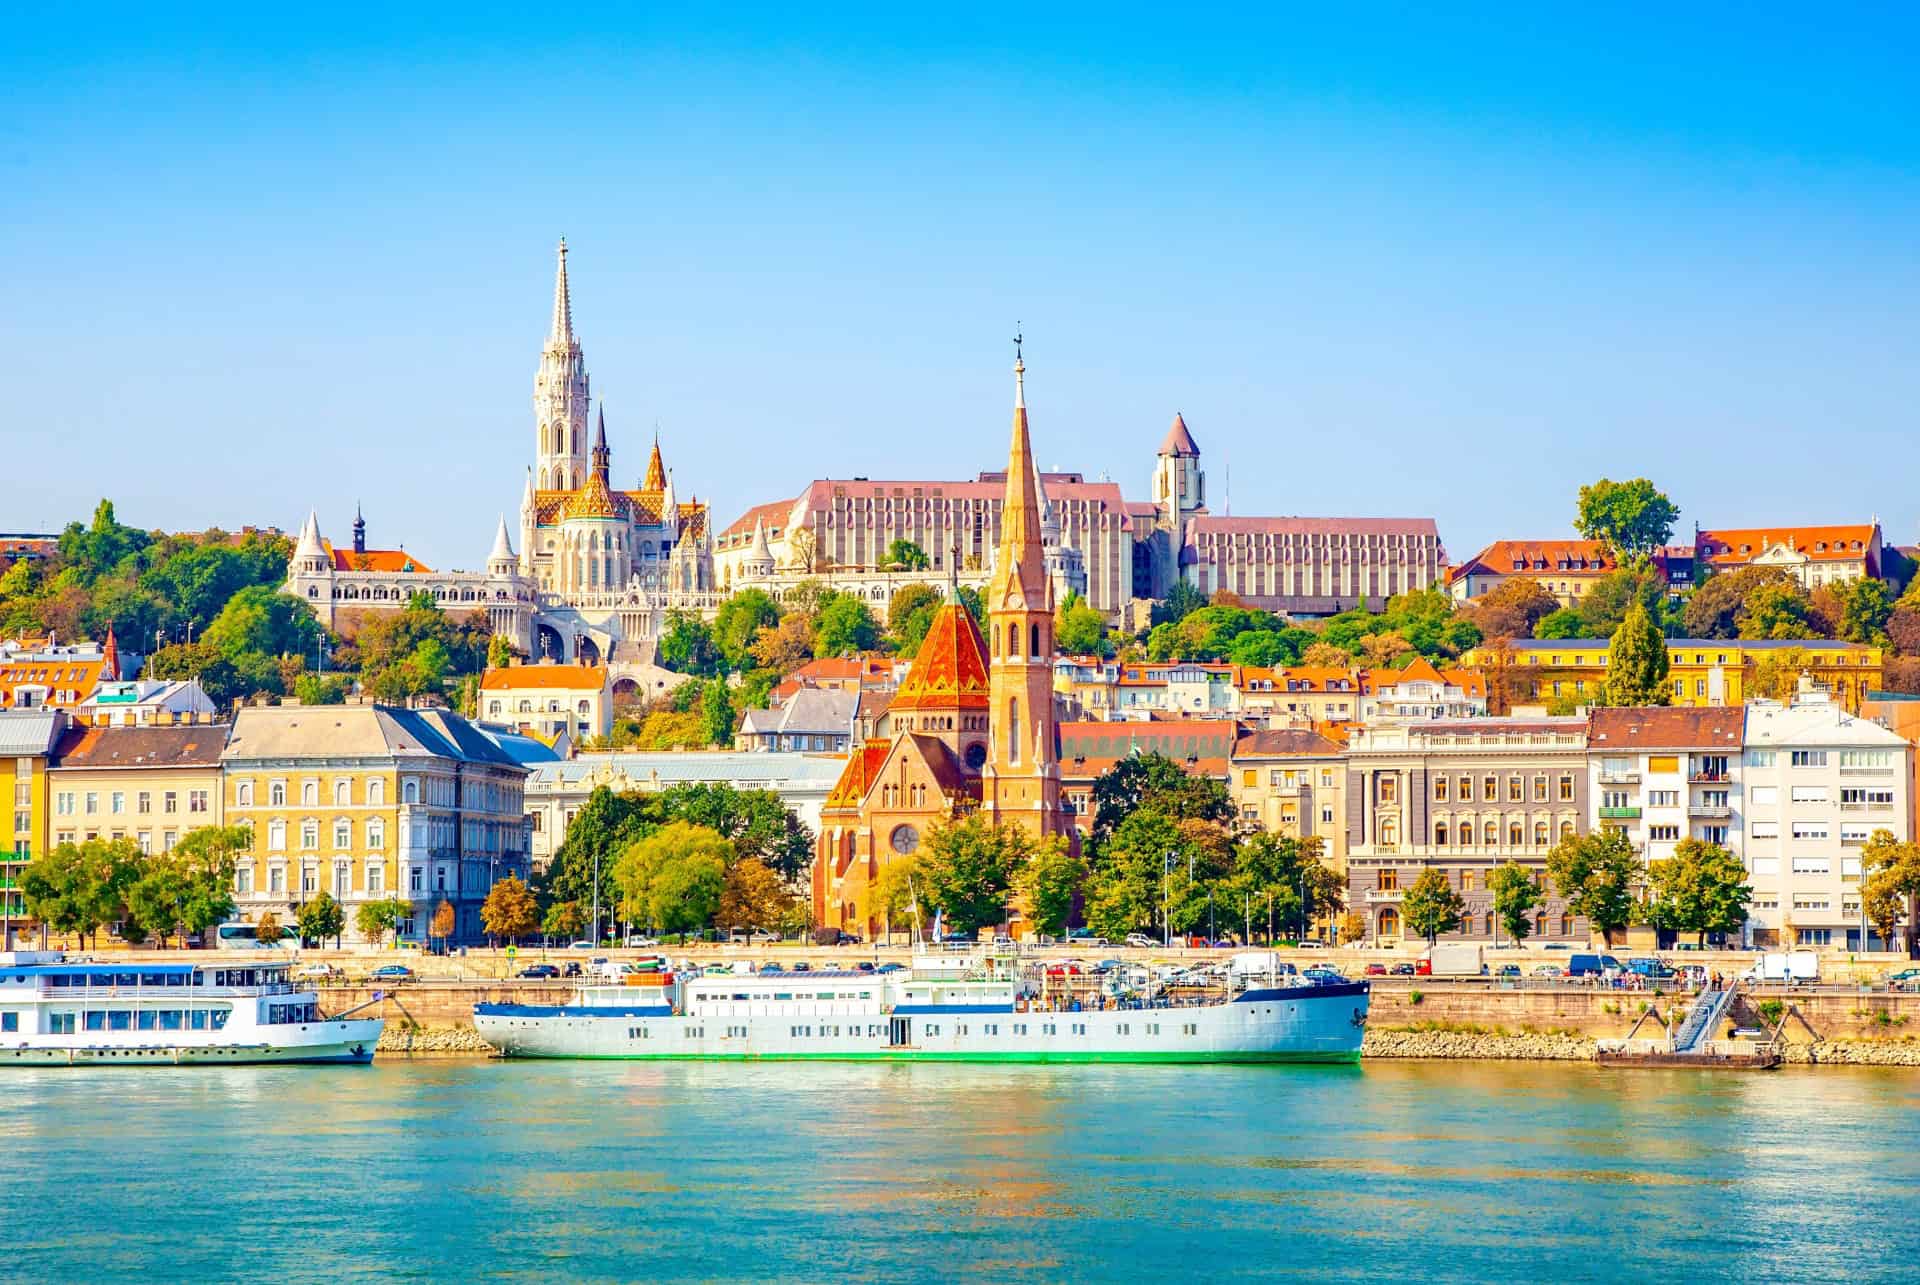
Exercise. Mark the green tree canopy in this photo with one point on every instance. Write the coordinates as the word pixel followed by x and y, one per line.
pixel 969 867
pixel 1702 888
pixel 1431 906
pixel 1156 783
pixel 671 880
pixel 1050 883
pixel 1630 517
pixel 739 621
pixel 845 627
pixel 687 646
pixel 1516 894
pixel 322 917
pixel 905 555
pixel 1078 629
pixel 1596 874
pixel 1637 662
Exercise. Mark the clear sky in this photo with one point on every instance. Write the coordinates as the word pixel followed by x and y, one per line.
pixel 1399 262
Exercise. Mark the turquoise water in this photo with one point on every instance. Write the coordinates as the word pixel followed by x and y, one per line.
pixel 630 1171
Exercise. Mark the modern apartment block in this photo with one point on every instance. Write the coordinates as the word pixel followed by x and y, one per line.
pixel 1818 782
pixel 1663 774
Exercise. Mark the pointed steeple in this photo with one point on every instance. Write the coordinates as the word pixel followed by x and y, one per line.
pixel 602 457
pixel 309 545
pixel 562 332
pixel 762 551
pixel 110 657
pixel 1019 572
pixel 669 507
pixel 1178 441
pixel 526 497
pixel 502 547
pixel 656 478
pixel 359 529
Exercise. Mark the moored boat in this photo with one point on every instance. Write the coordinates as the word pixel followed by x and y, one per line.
pixel 947 1007
pixel 59 1012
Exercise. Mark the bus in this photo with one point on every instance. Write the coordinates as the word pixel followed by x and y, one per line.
pixel 243 936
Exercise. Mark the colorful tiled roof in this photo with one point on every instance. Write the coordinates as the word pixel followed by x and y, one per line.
pixel 1537 557
pixel 373 559
pixel 863 765
pixel 1667 727
pixel 1178 440
pixel 950 669
pixel 1739 545
pixel 584 678
pixel 188 745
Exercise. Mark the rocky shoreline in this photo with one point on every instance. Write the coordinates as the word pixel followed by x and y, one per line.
pixel 443 1041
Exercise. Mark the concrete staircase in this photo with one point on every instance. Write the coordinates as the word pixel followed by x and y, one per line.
pixel 1702 1020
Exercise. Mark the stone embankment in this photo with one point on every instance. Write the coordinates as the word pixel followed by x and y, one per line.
pixel 446 1041
pixel 1546 1046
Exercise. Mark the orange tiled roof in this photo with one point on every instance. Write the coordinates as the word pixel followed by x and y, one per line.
pixel 950 669
pixel 1737 545
pixel 542 677
pixel 850 791
pixel 373 559
pixel 1537 557
pixel 68 680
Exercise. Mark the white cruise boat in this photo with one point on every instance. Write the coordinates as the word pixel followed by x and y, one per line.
pixel 57 1012
pixel 954 1008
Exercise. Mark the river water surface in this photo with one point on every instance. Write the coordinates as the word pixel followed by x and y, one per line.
pixel 637 1171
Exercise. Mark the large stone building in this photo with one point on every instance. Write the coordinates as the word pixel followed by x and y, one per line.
pixel 842 527
pixel 972 724
pixel 599 565
pixel 371 802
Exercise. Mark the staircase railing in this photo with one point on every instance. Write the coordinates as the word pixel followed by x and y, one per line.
pixel 1705 1015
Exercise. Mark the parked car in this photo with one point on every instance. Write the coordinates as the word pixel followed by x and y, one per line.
pixel 1596 966
pixel 580 945
pixel 1507 970
pixel 771 967
pixel 572 968
pixel 1404 969
pixel 846 939
pixel 1085 937
pixel 1322 976
pixel 637 942
pixel 391 973
pixel 315 972
pixel 802 967
pixel 891 968
pixel 1140 941
pixel 1649 968
pixel 1310 944
pixel 1376 970
pixel 864 966
pixel 1546 970
pixel 538 972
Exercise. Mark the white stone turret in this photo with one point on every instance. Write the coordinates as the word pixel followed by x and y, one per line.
pixel 560 397
pixel 759 560
pixel 310 555
pixel 501 561
pixel 669 509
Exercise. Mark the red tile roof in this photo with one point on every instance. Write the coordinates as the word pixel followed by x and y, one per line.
pixel 1733 546
pixel 950 669
pixel 1537 557
pixel 373 559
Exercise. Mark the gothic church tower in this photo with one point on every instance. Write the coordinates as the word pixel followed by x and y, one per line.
pixel 1021 785
pixel 560 398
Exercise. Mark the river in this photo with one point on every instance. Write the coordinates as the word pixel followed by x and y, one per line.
pixel 630 1171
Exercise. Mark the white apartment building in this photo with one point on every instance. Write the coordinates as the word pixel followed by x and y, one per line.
pixel 1666 773
pixel 1817 783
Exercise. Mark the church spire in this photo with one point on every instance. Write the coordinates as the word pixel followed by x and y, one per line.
pixel 562 332
pixel 602 457
pixel 656 479
pixel 1019 573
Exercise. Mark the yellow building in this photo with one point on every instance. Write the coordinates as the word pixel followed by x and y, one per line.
pixel 148 784
pixel 372 802
pixel 1293 783
pixel 27 741
pixel 1703 671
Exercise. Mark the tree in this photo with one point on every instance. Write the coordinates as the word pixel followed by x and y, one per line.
pixel 739 621
pixel 785 647
pixel 687 646
pixel 509 910
pixel 910 614
pixel 442 924
pixel 845 627
pixel 376 919
pixel 1702 888
pixel 716 712
pixel 1637 662
pixel 905 555
pixel 563 921
pixel 267 930
pixel 1516 893
pixel 322 917
pixel 1512 608
pixel 752 896
pixel 757 822
pixel 1595 873
pixel 606 825
pixel 78 888
pixel 1157 869
pixel 1324 655
pixel 1779 610
pixel 1182 600
pixel 321 689
pixel 969 867
pixel 500 651
pixel 896 890
pixel 1156 783
pixel 671 880
pixel 1353 928
pixel 154 900
pixel 1050 884
pixel 206 859
pixel 1567 622
pixel 1855 610
pixel 1892 876
pixel 1628 517
pixel 1431 906
pixel 1078 629
pixel 1714 609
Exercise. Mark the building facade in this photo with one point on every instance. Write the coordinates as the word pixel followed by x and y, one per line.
pixel 28 738
pixel 550 699
pixel 1817 783
pixel 1702 671
pixel 1663 774
pixel 1462 797
pixel 1813 555
pixel 1293 782
pixel 152 785
pixel 371 802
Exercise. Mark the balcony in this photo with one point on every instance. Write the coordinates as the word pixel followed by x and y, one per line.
pixel 1706 778
pixel 1619 814
pixel 1709 811
pixel 1619 778
pixel 1375 896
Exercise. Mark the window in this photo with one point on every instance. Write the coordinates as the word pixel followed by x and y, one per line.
pixel 376 791
pixel 1516 835
pixel 309 834
pixel 1515 790
pixel 1812 865
pixel 1663 833
pixel 1440 834
pixel 1389 789
pixel 1662 798
pixel 1566 787
pixel 342 793
pixel 243 879
pixel 1866 758
pixel 342 878
pixel 377 831
pixel 309 880
pixel 1440 791
pixel 1809 758
pixel 1809 829
pixel 1490 789
pixel 1540 789
pixel 243 794
pixel 1872 797
pixel 277 835
pixel 1759 758
pixel 143 802
pixel 196 801
pixel 1389 881
pixel 170 802
pixel 1466 881
pixel 1764 796
pixel 1540 834
pixel 376 877
pixel 410 790
pixel 276 878
pixel 277 795
pixel 343 833
pixel 93 803
pixel 1808 794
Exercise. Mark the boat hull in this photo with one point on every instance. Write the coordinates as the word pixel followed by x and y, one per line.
pixel 349 1042
pixel 1321 1024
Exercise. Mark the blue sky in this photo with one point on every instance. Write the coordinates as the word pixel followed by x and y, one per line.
pixel 1405 261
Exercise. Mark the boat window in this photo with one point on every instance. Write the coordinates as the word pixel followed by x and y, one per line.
pixel 126 979
pixel 96 1020
pixel 9 1021
pixel 169 1019
pixel 197 1019
pixel 149 1019
pixel 119 1020
pixel 219 1016
pixel 153 979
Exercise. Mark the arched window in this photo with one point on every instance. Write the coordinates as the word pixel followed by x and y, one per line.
pixel 1033 648
pixel 376 790
pixel 410 790
pixel 1539 834
pixel 1492 832
pixel 1389 922
pixel 1013 726
pixel 1013 641
pixel 342 792
pixel 1566 829
pixel 277 794
pixel 243 794
pixel 309 792
pixel 1440 834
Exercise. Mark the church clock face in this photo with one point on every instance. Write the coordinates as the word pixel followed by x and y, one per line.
pixel 905 839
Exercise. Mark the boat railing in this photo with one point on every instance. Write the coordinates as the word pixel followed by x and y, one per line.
pixel 113 990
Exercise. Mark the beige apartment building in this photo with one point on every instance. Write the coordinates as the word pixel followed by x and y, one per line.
pixel 148 784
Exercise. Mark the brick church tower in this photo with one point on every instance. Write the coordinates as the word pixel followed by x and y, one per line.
pixel 1021 785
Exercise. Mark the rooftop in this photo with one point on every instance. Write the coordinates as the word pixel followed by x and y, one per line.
pixel 1667 727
